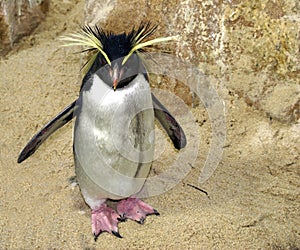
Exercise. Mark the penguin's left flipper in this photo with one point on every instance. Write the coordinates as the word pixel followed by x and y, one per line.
pixel 169 123
pixel 57 122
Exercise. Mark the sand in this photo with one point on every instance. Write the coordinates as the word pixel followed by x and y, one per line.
pixel 253 200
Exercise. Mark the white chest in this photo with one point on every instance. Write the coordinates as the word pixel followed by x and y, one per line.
pixel 114 135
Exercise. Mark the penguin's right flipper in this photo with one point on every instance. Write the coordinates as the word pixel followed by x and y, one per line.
pixel 169 123
pixel 57 122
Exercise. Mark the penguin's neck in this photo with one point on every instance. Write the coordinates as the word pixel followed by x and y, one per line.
pixel 100 94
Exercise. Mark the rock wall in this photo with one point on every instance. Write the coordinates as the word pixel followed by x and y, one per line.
pixel 19 18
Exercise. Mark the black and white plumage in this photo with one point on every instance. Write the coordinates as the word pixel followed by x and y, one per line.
pixel 114 129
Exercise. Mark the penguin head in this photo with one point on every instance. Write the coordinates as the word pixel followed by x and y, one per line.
pixel 118 72
pixel 115 57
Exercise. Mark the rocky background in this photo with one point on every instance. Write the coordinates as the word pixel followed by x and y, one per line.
pixel 18 19
pixel 249 52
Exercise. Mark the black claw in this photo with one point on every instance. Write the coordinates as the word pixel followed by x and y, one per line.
pixel 141 221
pixel 122 218
pixel 156 212
pixel 116 234
pixel 96 236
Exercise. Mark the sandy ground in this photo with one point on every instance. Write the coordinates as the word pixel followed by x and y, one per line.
pixel 253 198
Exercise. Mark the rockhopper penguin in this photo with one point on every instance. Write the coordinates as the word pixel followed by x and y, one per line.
pixel 114 129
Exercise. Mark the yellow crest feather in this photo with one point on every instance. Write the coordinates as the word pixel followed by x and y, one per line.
pixel 87 37
pixel 140 45
pixel 93 38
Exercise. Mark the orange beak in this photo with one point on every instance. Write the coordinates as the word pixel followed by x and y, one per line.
pixel 115 84
pixel 116 75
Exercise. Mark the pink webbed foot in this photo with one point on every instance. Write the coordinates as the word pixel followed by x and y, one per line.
pixel 135 209
pixel 105 219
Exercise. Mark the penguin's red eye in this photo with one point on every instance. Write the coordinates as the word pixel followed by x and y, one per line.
pixel 103 61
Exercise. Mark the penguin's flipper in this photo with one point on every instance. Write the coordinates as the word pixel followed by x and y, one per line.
pixel 169 123
pixel 57 122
